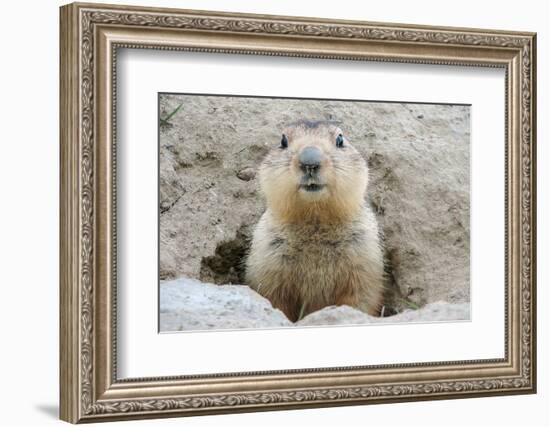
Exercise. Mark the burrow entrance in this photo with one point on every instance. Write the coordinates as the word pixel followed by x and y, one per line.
pixel 228 266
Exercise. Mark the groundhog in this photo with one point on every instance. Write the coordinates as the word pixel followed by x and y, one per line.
pixel 317 244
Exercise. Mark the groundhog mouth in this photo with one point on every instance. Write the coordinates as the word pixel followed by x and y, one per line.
pixel 312 187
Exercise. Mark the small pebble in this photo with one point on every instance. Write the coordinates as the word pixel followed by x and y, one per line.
pixel 247 174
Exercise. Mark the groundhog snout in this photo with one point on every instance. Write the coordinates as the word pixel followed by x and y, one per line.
pixel 310 160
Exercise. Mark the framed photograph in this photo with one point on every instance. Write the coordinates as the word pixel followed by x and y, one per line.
pixel 267 212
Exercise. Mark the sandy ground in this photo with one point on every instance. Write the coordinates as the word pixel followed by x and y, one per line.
pixel 190 305
pixel 419 161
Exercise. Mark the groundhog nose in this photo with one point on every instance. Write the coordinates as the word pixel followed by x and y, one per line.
pixel 310 159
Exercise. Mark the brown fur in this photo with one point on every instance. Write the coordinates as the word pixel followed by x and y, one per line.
pixel 312 250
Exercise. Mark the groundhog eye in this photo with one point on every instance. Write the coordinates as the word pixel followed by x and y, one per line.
pixel 340 141
pixel 284 141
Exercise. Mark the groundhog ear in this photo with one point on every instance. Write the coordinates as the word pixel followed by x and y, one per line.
pixel 284 141
pixel 340 140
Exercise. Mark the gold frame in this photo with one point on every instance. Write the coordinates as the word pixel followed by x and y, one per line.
pixel 90 35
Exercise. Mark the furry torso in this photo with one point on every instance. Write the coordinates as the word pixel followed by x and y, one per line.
pixel 304 267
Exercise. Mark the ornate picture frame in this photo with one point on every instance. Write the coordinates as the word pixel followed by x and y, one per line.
pixel 90 37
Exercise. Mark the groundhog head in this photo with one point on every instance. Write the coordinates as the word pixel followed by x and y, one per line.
pixel 313 171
